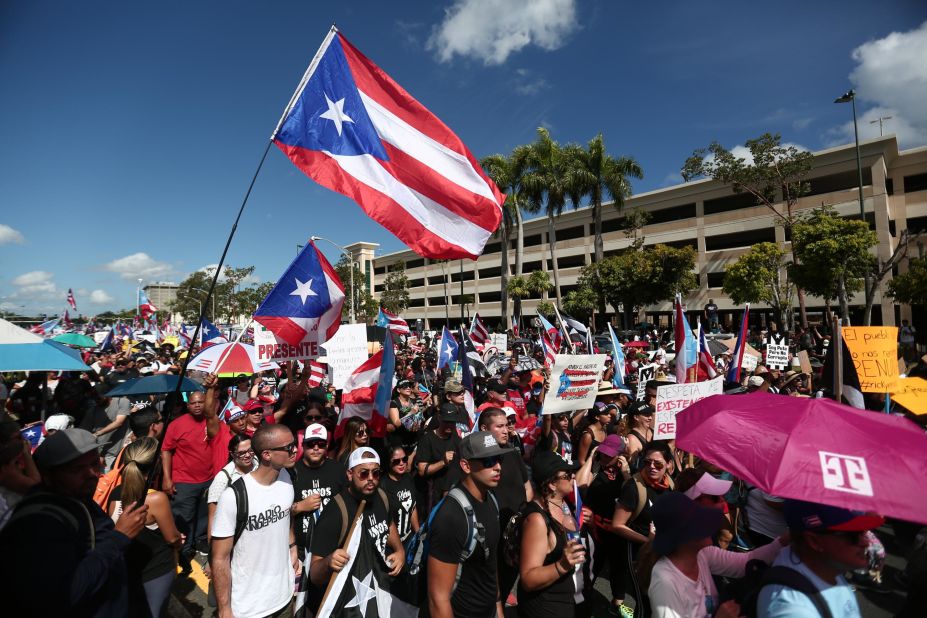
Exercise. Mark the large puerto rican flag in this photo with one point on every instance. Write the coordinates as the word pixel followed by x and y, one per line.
pixel 368 390
pixel 392 322
pixel 304 308
pixel 351 128
pixel 145 306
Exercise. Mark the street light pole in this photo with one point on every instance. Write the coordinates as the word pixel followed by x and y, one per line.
pixel 138 296
pixel 850 97
pixel 207 296
pixel 351 268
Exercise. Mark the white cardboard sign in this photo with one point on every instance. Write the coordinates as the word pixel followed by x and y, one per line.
pixel 574 382
pixel 346 351
pixel 674 398
pixel 644 375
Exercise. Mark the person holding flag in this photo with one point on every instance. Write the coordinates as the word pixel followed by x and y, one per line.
pixel 447 351
pixel 737 358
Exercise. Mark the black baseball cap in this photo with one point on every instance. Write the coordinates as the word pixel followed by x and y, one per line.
pixel 479 445
pixel 547 464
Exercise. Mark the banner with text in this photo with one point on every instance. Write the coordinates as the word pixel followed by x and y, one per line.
pixel 268 348
pixel 874 350
pixel 500 341
pixel 345 352
pixel 574 382
pixel 644 375
pixel 674 398
pixel 777 351
pixel 912 394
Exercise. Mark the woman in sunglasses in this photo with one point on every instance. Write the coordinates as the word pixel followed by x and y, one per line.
pixel 240 462
pixel 356 435
pixel 398 484
pixel 405 414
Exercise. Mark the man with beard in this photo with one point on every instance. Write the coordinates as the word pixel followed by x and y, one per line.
pixel 332 528
pixel 316 480
pixel 437 449
pixel 63 554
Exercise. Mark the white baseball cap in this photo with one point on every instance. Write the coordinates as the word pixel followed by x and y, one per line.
pixel 362 455
pixel 708 486
pixel 315 431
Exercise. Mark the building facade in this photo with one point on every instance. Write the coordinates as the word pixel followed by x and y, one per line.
pixel 162 295
pixel 719 224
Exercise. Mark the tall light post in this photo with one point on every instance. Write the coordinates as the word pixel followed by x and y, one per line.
pixel 850 97
pixel 207 296
pixel 138 296
pixel 351 260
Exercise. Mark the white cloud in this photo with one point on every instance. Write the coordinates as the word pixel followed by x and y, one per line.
pixel 139 266
pixel 36 285
pixel 672 179
pixel 527 83
pixel 491 30
pixel 742 152
pixel 100 297
pixel 891 73
pixel 10 236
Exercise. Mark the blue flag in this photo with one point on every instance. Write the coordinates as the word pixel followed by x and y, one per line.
pixel 447 351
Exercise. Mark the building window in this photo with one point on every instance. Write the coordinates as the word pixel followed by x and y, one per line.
pixel 571 233
pixel 729 203
pixel 890 186
pixel 492 247
pixel 416 302
pixel 436 301
pixel 379 288
pixel 839 182
pixel 489 273
pixel 530 267
pixel 566 289
pixel 679 244
pixel 571 261
pixel 673 213
pixel 467 275
pixel 739 239
pixel 438 280
pixel 416 283
pixel 379 270
pixel 415 263
pixel 532 241
pixel 490 297
pixel 917 182
pixel 715 280
pixel 916 225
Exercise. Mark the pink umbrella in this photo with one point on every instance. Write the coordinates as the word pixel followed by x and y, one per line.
pixel 813 449
pixel 229 359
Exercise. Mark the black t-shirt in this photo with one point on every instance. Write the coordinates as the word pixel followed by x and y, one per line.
pixel 711 310
pixel 477 590
pixel 558 442
pixel 376 520
pixel 327 481
pixel 511 489
pixel 402 493
pixel 431 448
pixel 603 494
pixel 628 500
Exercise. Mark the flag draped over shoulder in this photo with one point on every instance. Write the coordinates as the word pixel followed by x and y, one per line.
pixel 351 128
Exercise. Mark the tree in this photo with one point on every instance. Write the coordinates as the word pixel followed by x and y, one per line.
pixel 757 276
pixel 832 256
pixel 581 302
pixel 910 287
pixel 600 175
pixel 546 308
pixel 229 298
pixel 640 276
pixel 775 170
pixel 395 295
pixel 552 178
pixel 366 306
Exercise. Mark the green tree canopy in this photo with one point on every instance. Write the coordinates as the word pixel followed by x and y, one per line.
pixel 395 295
pixel 757 277
pixel 911 287
pixel 232 297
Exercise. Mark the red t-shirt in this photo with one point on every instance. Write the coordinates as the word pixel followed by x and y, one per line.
pixel 193 453
pixel 220 448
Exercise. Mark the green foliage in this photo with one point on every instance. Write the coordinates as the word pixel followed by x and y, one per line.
pixel 231 298
pixel 539 282
pixel 911 287
pixel 366 307
pixel 395 295
pixel 518 287
pixel 546 308
pixel 755 277
pixel 581 302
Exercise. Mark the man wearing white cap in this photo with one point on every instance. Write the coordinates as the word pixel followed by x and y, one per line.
pixel 316 480
pixel 378 521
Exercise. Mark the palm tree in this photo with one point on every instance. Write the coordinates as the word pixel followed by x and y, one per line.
pixel 518 288
pixel 602 175
pixel 552 178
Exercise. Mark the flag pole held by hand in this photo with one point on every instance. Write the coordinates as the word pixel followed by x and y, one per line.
pixel 347 540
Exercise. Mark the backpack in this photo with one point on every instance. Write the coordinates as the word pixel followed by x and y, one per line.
pixel 338 500
pixel 511 535
pixel 108 482
pixel 418 544
pixel 758 575
pixel 60 507
pixel 642 494
pixel 241 507
pixel 635 463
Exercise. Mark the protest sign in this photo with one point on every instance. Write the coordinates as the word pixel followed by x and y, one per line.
pixel 674 398
pixel 345 352
pixel 777 351
pixel 749 362
pixel 574 382
pixel 804 362
pixel 912 394
pixel 645 374
pixel 499 341
pixel 268 347
pixel 874 350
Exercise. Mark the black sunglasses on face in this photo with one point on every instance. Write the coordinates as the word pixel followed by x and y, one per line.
pixel 398 460
pixel 489 462
pixel 289 448
pixel 657 465
pixel 311 444
pixel 314 418
pixel 365 473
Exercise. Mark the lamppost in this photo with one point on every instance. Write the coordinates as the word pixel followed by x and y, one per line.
pixel 850 97
pixel 138 296
pixel 351 259
pixel 207 296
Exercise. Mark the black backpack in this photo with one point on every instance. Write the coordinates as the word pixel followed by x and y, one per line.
pixel 758 575
pixel 511 535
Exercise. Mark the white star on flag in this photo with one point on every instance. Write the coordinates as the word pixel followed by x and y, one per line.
pixel 448 352
pixel 335 113
pixel 303 290
pixel 364 590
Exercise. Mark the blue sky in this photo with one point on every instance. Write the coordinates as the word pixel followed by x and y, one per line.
pixel 129 131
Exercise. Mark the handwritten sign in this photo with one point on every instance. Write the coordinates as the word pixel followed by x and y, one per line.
pixel 644 375
pixel 777 351
pixel 574 382
pixel 674 398
pixel 749 362
pixel 500 341
pixel 346 351
pixel 912 394
pixel 874 350
pixel 268 347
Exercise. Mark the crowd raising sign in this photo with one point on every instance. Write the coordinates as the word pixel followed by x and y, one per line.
pixel 874 350
pixel 674 398
pixel 574 382
pixel 644 375
pixel 345 352
pixel 777 351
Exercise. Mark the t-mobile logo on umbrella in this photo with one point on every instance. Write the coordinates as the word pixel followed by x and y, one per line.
pixel 845 473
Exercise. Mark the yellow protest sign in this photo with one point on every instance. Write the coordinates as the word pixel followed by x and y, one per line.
pixel 912 394
pixel 874 350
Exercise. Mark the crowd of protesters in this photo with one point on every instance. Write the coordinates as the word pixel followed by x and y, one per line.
pixel 255 478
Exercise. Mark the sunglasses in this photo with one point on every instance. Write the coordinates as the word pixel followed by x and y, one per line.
pixel 366 473
pixel 289 448
pixel 312 444
pixel 361 432
pixel 313 417
pixel 398 460
pixel 489 462
pixel 259 411
pixel 564 477
pixel 653 463
pixel 242 454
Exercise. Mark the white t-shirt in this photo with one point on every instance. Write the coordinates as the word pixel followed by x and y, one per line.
pixel 782 602
pixel 262 573
pixel 673 595
pixel 228 475
pixel 762 517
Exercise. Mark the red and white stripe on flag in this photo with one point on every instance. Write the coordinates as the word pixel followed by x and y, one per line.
pixel 479 334
pixel 550 352
pixel 395 324
pixel 317 372
pixel 359 395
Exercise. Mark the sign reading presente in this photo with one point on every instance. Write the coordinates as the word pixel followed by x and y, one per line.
pixel 674 398
pixel 574 382
pixel 874 350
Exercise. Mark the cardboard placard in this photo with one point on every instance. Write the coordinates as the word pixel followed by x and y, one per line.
pixel 777 351
pixel 574 382
pixel 645 374
pixel 805 362
pixel 912 394
pixel 674 398
pixel 268 347
pixel 749 362
pixel 346 351
pixel 874 350
pixel 499 341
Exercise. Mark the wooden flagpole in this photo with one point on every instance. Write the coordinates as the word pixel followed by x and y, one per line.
pixel 347 539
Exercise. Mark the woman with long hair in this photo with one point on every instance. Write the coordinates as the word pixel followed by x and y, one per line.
pixel 597 420
pixel 355 436
pixel 550 547
pixel 151 558
pixel 639 429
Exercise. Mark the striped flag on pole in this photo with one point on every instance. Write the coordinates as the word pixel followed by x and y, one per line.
pixel 71 300
pixel 368 389
pixel 317 373
pixel 733 372
pixel 392 322
pixel 479 334
pixel 351 128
